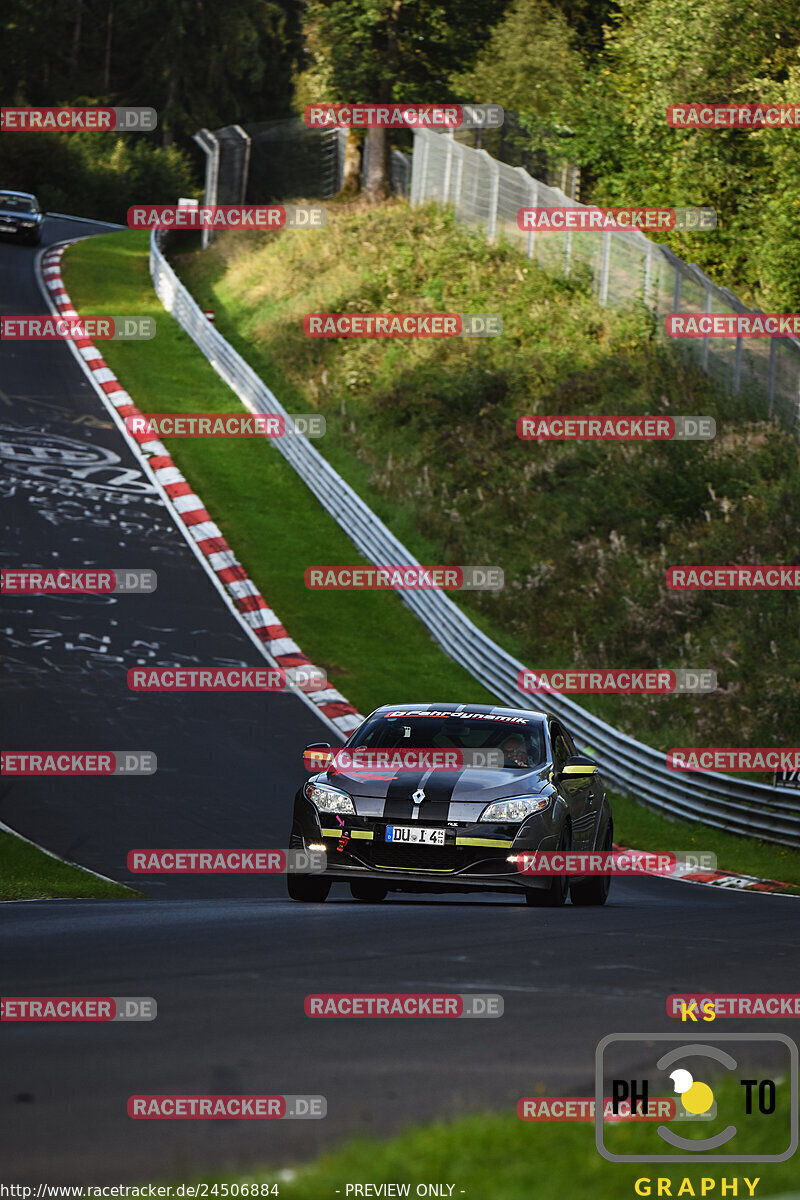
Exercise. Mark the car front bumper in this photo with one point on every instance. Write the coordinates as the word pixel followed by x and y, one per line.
pixel 474 856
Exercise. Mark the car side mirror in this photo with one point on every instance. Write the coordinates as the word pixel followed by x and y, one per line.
pixel 578 767
pixel 318 756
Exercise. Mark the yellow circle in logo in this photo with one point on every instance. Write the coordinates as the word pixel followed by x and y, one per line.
pixel 698 1098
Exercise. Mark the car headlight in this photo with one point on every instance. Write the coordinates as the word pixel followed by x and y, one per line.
pixel 328 799
pixel 517 808
pixel 27 224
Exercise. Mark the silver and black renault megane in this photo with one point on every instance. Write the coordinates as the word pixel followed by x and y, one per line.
pixel 449 797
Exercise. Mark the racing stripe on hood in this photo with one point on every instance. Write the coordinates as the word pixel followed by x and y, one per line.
pixel 438 787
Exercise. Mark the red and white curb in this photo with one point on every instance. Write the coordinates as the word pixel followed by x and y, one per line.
pixel 717 878
pixel 192 517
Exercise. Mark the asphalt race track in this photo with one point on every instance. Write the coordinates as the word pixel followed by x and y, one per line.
pixel 229 960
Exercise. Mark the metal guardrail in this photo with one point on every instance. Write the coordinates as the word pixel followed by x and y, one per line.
pixel 723 802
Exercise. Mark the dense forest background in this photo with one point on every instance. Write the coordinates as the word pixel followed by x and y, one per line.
pixel 591 78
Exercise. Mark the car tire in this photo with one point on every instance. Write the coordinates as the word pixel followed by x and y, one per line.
pixel 595 890
pixel 556 894
pixel 310 889
pixel 368 890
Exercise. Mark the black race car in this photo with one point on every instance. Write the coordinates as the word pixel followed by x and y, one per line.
pixel 20 217
pixel 437 829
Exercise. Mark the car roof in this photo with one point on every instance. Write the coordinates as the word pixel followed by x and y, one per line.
pixel 4 191
pixel 462 709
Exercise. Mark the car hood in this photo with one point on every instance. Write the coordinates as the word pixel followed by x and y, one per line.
pixel 449 795
pixel 18 216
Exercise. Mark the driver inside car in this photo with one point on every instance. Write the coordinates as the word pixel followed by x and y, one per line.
pixel 515 753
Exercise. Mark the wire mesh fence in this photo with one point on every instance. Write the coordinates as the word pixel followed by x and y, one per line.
pixel 625 267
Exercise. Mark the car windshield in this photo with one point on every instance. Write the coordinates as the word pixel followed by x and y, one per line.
pixel 21 204
pixel 521 740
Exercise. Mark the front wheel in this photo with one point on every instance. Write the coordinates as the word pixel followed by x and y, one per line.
pixel 594 890
pixel 310 889
pixel 554 895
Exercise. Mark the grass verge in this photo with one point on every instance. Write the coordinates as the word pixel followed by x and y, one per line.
pixel 28 873
pixel 509 1159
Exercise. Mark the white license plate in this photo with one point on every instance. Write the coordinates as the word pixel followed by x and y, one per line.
pixel 419 834
pixel 8 229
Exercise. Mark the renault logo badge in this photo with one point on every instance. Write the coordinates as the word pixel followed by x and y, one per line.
pixel 418 796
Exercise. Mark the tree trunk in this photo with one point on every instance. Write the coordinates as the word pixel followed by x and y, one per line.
pixel 168 135
pixel 107 59
pixel 76 38
pixel 379 165
pixel 379 180
pixel 351 184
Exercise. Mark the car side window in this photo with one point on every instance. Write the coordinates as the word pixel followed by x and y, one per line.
pixel 560 748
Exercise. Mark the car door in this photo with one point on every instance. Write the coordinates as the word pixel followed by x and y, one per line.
pixel 577 791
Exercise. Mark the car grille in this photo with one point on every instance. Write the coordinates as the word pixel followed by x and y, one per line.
pixel 442 859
